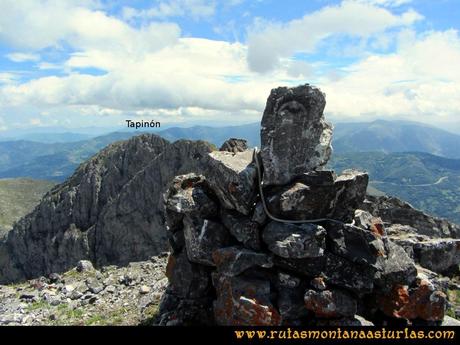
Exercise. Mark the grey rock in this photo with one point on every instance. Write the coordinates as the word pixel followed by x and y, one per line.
pixel 259 216
pixel 243 302
pixel 175 311
pixel 395 211
pixel 330 303
pixel 202 237
pixel 290 303
pixel 54 278
pixel 295 241
pixel 397 269
pixel 299 201
pixel 351 188
pixel 334 270
pixel 233 261
pixel 54 300
pixel 440 283
pixel 75 294
pixel 232 176
pixel 84 266
pixel 31 296
pixel 187 280
pixel 111 289
pixel 242 228
pixel 234 145
pixel 294 136
pixel 189 194
pixel 356 244
pixel 441 255
pixel 367 221
pixel 129 279
pixel 438 255
pixel 94 285
pixel 144 289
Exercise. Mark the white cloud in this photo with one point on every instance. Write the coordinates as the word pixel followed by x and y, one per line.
pixel 36 25
pixel 194 73
pixel 268 42
pixel 420 81
pixel 7 77
pixel 173 8
pixel 149 72
pixel 386 3
pixel 22 57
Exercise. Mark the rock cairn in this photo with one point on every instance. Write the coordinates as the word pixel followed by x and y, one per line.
pixel 231 263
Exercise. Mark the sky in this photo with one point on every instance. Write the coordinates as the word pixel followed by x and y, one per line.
pixel 183 62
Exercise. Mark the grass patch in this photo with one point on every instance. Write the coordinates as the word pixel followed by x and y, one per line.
pixel 37 305
pixel 150 316
pixel 74 313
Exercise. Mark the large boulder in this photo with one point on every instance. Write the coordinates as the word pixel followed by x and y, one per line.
pixel 233 177
pixel 295 138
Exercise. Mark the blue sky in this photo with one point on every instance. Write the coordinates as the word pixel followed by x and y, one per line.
pixel 184 62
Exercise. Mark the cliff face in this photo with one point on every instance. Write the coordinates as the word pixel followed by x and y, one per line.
pixel 109 211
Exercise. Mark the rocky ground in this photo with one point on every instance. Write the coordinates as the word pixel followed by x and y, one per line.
pixel 85 296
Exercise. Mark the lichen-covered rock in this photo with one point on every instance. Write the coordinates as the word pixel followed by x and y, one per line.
pixel 422 302
pixel 244 302
pixel 202 238
pixel 235 260
pixel 356 244
pixel 295 241
pixel 232 176
pixel 84 266
pixel 365 220
pixel 295 138
pixel 290 297
pixel 189 194
pixel 438 255
pixel 334 270
pixel 242 228
pixel 234 145
pixel 330 303
pixel 301 201
pixel 351 188
pixel 186 279
pixel 397 268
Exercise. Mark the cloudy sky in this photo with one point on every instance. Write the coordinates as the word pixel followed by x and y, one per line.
pixel 97 62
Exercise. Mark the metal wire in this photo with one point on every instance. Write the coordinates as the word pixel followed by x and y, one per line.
pixel 264 203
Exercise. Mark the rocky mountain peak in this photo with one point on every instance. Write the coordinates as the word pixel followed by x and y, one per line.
pixel 255 238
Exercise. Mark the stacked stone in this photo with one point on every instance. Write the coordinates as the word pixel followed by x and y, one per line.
pixel 234 264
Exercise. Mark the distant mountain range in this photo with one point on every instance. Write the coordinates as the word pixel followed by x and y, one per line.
pixel 395 136
pixel 403 158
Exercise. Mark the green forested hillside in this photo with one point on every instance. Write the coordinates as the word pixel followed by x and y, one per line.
pixel 18 197
pixel 428 182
